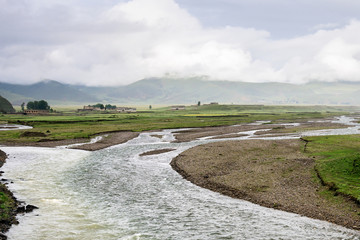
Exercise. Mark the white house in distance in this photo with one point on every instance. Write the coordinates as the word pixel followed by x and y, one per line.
pixel 126 110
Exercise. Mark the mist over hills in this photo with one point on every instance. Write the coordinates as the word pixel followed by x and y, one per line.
pixel 53 91
pixel 186 91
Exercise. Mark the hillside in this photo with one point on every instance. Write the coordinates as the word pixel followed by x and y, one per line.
pixel 51 90
pixel 186 91
pixel 5 106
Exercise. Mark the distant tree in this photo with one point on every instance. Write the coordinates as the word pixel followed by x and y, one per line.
pixel 30 105
pixel 99 105
pixel 38 105
pixel 43 105
pixel 150 107
pixel 109 106
pixel 199 103
pixel 23 106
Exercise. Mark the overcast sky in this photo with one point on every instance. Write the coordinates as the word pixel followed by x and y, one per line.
pixel 108 42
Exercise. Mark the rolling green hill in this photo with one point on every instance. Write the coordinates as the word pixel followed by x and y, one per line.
pixel 50 90
pixel 5 106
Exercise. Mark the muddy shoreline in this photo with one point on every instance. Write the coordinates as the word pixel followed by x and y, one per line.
pixel 275 174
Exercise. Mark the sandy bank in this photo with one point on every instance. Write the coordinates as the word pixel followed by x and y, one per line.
pixel 273 174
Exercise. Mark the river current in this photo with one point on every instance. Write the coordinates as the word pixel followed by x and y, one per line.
pixel 115 193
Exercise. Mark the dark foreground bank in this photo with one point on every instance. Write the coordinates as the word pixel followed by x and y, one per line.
pixel 8 204
pixel 274 174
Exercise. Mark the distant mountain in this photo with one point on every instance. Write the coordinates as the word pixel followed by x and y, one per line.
pixel 49 90
pixel 186 91
pixel 5 106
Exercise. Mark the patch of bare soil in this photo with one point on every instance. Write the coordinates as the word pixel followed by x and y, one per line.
pixel 111 140
pixel 274 174
pixel 155 152
pixel 32 134
pixel 235 135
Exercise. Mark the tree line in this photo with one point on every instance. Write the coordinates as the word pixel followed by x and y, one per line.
pixel 36 105
pixel 102 106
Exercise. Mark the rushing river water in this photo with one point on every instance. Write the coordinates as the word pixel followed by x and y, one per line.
pixel 116 194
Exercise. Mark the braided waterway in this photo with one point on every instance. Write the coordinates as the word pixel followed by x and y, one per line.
pixel 116 194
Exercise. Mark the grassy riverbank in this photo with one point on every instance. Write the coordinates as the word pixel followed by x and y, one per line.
pixel 338 163
pixel 73 125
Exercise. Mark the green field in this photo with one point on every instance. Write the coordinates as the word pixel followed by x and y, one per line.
pixel 338 163
pixel 71 124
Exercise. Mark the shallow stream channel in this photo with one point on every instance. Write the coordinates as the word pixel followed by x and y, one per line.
pixel 115 193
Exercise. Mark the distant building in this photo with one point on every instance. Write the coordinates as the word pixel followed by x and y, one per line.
pixel 36 112
pixel 126 109
pixel 177 107
pixel 90 108
pixel 212 103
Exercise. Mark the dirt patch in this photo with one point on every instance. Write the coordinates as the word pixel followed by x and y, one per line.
pixel 274 174
pixel 155 152
pixel 32 134
pixel 110 140
pixel 230 136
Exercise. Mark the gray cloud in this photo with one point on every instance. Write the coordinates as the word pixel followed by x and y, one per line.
pixel 113 43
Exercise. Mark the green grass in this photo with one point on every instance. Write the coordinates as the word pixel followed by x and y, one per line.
pixel 6 206
pixel 338 162
pixel 71 125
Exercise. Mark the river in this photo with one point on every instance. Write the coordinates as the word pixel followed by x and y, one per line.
pixel 115 193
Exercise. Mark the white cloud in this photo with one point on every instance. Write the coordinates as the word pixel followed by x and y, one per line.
pixel 325 26
pixel 151 38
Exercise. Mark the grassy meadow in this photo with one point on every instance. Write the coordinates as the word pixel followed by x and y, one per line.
pixel 70 124
pixel 338 163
